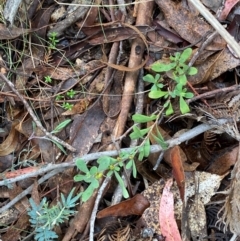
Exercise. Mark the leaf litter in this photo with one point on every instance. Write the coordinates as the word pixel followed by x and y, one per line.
pixel 80 68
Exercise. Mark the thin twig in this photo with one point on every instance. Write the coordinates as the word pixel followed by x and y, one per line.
pixel 30 111
pixel 93 156
pixel 212 93
pixel 95 208
pixel 117 196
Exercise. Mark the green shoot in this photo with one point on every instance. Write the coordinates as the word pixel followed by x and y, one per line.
pixel 53 40
pixel 67 106
pixel 71 93
pixel 48 79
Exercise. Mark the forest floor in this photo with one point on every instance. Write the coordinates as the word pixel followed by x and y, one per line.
pixel 119 120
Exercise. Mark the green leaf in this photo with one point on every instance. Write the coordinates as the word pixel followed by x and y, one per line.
pixel 87 193
pixel 137 133
pixel 159 86
pixel 188 95
pixel 110 173
pixel 169 110
pixel 129 164
pixel 160 67
pixel 181 79
pixel 155 94
pixel 121 183
pixel 70 202
pixel 95 183
pixel 79 177
pixel 149 78
pixel 160 140
pixel 185 55
pixel 141 154
pixel 61 126
pixel 104 163
pixel 82 166
pixel 59 146
pixel 192 71
pixel 93 170
pixel 134 169
pixel 146 147
pixel 143 118
pixel 184 108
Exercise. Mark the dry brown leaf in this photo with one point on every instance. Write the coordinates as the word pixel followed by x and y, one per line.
pixel 214 66
pixel 11 142
pixel 78 108
pixel 85 127
pixel 223 163
pixel 195 28
pixel 132 206
pixel 11 32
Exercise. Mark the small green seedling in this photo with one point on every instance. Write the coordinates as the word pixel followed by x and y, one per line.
pixel 71 93
pixel 48 79
pixel 59 97
pixel 53 40
pixel 67 106
pixel 177 70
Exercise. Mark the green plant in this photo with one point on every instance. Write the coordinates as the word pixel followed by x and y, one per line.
pixel 59 97
pixel 177 70
pixel 106 166
pixel 109 166
pixel 48 79
pixel 67 106
pixel 44 218
pixel 71 93
pixel 53 40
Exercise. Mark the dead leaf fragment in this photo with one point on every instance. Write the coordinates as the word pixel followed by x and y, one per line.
pixel 78 108
pixel 167 220
pixel 133 206
pixel 11 32
pixel 195 28
pixel 11 142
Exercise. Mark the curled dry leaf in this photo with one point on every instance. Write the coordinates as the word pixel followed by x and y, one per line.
pixel 167 221
pixel 133 206
pixel 178 171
